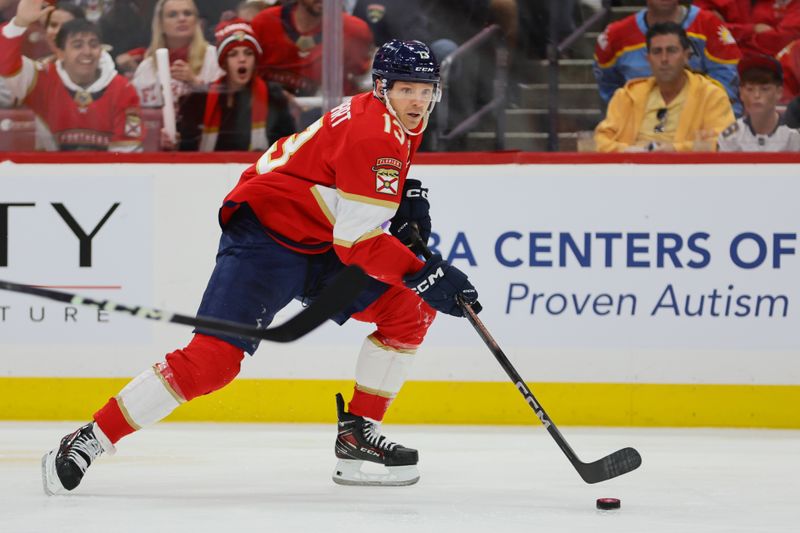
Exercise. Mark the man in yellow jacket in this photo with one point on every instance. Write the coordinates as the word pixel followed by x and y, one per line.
pixel 672 110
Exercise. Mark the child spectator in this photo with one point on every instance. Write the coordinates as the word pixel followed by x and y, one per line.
pixel 620 53
pixel 239 111
pixel 673 110
pixel 80 100
pixel 762 128
pixel 291 37
pixel 193 62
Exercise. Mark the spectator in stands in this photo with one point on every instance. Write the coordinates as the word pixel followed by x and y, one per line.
pixel 620 53
pixel 672 110
pixel 789 58
pixel 63 12
pixel 81 101
pixel 729 11
pixel 291 37
pixel 239 111
pixel 395 19
pixel 193 62
pixel 762 128
pixel 763 26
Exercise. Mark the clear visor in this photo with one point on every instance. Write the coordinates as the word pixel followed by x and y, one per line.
pixel 422 92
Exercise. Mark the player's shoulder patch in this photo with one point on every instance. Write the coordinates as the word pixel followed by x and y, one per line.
pixel 730 130
pixel 387 175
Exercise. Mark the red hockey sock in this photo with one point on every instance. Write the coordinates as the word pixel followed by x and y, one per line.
pixel 368 405
pixel 112 421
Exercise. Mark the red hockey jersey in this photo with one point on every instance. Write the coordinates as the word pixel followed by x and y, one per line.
pixel 294 59
pixel 336 184
pixel 783 16
pixel 104 116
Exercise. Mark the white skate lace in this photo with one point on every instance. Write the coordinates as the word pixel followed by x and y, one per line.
pixel 83 451
pixel 373 435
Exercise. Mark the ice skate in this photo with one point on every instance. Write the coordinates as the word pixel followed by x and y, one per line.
pixel 64 467
pixel 368 458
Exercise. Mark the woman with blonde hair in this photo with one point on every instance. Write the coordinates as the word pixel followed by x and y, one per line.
pixel 193 61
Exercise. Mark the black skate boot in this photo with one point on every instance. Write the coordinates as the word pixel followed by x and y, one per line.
pixel 64 467
pixel 359 443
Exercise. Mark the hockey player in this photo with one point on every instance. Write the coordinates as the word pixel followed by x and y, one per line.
pixel 81 102
pixel 762 129
pixel 314 201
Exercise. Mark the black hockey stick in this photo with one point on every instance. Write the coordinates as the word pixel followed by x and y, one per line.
pixel 618 463
pixel 339 294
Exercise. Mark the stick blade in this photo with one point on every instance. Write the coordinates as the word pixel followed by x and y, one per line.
pixel 336 297
pixel 618 463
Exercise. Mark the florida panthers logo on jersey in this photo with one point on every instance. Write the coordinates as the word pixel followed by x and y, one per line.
pixel 387 175
pixel 725 35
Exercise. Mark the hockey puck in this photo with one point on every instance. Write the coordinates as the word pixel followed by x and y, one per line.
pixel 608 504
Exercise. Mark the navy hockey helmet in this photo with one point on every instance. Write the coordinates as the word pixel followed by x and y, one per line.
pixel 405 61
pixel 410 61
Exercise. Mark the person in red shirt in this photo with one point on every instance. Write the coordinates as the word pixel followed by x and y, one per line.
pixel 40 39
pixel 239 111
pixel 770 26
pixel 291 37
pixel 789 58
pixel 313 202
pixel 730 11
pixel 82 103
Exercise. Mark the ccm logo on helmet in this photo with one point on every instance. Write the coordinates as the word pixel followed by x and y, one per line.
pixel 426 284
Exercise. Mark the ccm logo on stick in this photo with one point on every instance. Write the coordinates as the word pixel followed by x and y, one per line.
pixel 529 398
pixel 426 284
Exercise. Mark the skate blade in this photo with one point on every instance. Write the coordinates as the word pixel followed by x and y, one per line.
pixel 50 482
pixel 357 473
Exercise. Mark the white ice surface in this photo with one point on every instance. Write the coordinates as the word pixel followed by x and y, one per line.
pixel 276 478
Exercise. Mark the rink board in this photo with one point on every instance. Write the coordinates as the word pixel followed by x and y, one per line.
pixel 654 293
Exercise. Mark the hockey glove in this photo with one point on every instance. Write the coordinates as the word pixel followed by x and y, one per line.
pixel 414 210
pixel 440 284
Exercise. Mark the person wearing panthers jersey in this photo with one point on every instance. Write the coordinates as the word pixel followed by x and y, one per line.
pixel 621 54
pixel 291 37
pixel 335 194
pixel 80 101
